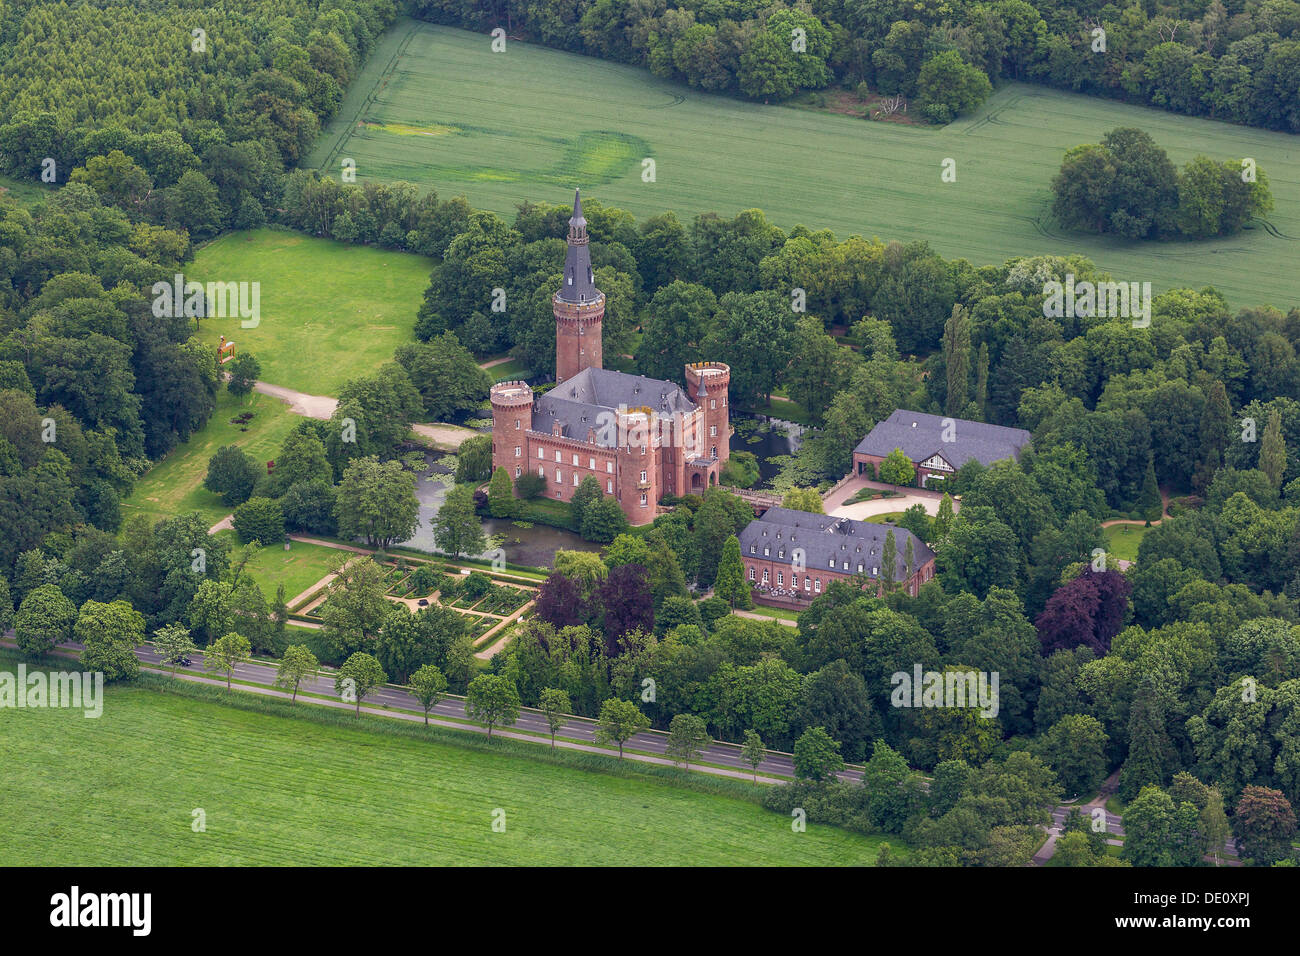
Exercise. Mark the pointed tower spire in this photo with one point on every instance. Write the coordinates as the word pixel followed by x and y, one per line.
pixel 579 281
pixel 577 222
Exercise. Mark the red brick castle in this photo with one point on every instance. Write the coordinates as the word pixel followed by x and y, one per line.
pixel 640 438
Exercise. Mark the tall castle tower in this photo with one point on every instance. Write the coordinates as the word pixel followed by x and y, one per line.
pixel 707 384
pixel 579 306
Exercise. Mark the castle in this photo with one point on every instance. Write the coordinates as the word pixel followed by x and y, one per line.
pixel 640 438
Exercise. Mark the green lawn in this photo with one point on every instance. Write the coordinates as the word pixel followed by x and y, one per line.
pixel 501 127
pixel 775 612
pixel 889 517
pixel 1122 540
pixel 286 791
pixel 297 569
pixel 329 311
pixel 509 371
pixel 26 191
pixel 175 484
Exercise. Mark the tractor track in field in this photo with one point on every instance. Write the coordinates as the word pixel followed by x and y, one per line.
pixel 347 129
pixel 678 100
pixel 1273 230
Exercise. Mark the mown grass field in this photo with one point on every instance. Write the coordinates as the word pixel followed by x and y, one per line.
pixel 175 484
pixel 1122 540
pixel 329 311
pixel 275 790
pixel 436 107
pixel 28 192
pixel 297 569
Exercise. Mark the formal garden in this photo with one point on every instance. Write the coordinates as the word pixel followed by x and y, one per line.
pixel 485 599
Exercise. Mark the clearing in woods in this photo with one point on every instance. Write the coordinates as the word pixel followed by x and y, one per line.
pixel 330 311
pixel 436 107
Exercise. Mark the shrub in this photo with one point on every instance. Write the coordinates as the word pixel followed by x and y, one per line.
pixel 259 519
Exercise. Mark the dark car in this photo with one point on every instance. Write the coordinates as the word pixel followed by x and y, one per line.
pixel 423 602
pixel 183 662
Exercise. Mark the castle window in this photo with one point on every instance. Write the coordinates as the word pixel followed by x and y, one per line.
pixel 713 431
pixel 643 500
pixel 765 575
pixel 518 451
pixel 541 470
pixel 575 461
pixel 518 471
pixel 559 478
pixel 609 467
pixel 575 479
pixel 541 453
pixel 557 456
pixel 643 474
pixel 713 403
pixel 609 486
pixel 591 463
pixel 807 583
pixel 832 562
pixel 780 577
pixel 875 572
pixel 766 552
pixel 751 574
pixel 715 451
pixel 817 585
pixel 859 569
pixel 516 424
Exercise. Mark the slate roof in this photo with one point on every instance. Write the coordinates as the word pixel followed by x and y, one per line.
pixel 578 402
pixel 921 437
pixel 824 537
pixel 579 283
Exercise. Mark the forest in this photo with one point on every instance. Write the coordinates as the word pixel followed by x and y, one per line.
pixel 1237 61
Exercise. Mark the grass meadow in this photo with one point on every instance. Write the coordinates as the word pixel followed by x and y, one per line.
pixel 175 484
pixel 286 790
pixel 297 569
pixel 329 311
pixel 434 106
pixel 1122 540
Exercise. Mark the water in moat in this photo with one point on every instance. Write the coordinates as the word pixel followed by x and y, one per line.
pixel 766 438
pixel 532 547
pixel 535 546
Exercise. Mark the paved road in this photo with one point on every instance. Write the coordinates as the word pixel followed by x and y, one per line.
pixel 1114 826
pixel 654 742
pixel 575 728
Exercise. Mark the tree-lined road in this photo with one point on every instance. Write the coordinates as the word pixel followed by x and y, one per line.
pixel 652 744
